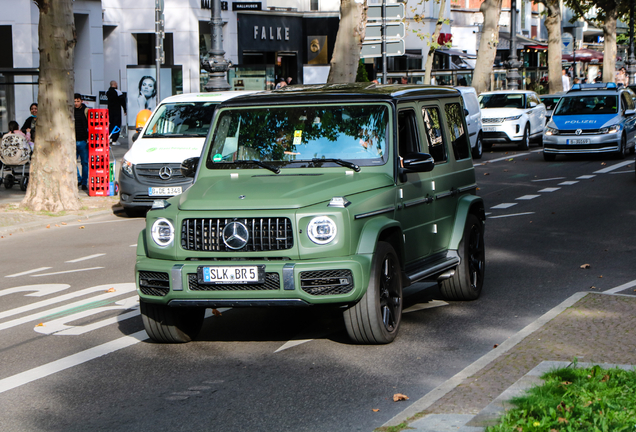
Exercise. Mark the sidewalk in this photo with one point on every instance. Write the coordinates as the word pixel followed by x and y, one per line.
pixel 598 328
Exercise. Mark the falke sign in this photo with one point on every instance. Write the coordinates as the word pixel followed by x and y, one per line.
pixel 271 33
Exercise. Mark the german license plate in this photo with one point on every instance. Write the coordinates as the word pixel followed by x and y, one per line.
pixel 214 275
pixel 164 191
pixel 578 141
pixel 489 129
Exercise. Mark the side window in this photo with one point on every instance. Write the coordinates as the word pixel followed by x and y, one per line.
pixel 459 138
pixel 436 145
pixel 627 101
pixel 408 140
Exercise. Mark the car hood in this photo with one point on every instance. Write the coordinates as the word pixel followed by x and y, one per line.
pixel 164 150
pixel 596 121
pixel 282 191
pixel 501 112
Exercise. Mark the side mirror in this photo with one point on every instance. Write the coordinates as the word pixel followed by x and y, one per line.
pixel 418 162
pixel 466 113
pixel 533 104
pixel 189 167
pixel 630 112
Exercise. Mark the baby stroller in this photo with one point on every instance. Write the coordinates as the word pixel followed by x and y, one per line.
pixel 15 154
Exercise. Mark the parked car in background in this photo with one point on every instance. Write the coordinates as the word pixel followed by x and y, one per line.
pixel 511 117
pixel 592 118
pixel 473 119
pixel 175 131
pixel 329 195
pixel 550 101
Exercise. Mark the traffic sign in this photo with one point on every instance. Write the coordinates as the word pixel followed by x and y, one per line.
pixel 394 11
pixel 374 49
pixel 394 30
pixel 567 43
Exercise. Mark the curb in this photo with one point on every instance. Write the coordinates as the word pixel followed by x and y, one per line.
pixel 46 220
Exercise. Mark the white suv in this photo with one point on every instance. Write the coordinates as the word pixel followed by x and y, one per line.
pixel 473 119
pixel 511 117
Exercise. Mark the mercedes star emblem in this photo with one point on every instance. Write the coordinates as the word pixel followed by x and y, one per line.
pixel 578 132
pixel 235 235
pixel 165 173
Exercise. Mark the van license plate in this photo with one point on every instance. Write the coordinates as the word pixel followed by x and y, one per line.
pixel 164 191
pixel 231 274
pixel 578 141
pixel 489 129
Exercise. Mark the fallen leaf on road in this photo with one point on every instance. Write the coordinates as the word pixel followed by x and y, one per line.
pixel 495 345
pixel 63 223
pixel 375 409
pixel 505 170
pixel 79 220
pixel 585 266
pixel 399 397
pixel 82 227
pixel 48 226
pixel 216 312
pixel 603 163
pixel 592 287
pixel 506 153
pixel 600 277
pixel 40 325
pixel 57 225
pixel 486 173
pixel 510 160
pixel 110 290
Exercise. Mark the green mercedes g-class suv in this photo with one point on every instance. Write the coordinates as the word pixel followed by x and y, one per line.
pixel 315 195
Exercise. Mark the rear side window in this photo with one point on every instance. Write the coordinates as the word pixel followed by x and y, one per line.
pixel 433 125
pixel 628 101
pixel 457 132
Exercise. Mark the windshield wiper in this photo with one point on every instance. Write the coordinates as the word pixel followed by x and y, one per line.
pixel 340 162
pixel 273 169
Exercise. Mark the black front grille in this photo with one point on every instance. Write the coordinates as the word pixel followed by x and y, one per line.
pixel 149 173
pixel 154 283
pixel 272 282
pixel 326 282
pixel 583 131
pixel 264 234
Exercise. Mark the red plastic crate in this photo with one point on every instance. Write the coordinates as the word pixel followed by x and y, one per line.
pixel 98 137
pixel 98 185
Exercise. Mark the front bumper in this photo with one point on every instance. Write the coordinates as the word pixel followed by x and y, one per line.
pixel 341 280
pixel 505 132
pixel 562 144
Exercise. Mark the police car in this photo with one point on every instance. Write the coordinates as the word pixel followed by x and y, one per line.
pixel 592 118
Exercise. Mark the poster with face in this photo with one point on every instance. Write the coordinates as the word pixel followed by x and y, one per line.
pixel 142 90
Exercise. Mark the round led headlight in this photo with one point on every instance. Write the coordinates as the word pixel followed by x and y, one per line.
pixel 162 232
pixel 322 230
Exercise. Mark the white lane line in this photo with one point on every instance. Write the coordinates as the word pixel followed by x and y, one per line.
pixel 527 197
pixel 549 189
pixel 621 287
pixel 510 215
pixel 549 179
pixel 537 151
pixel 614 167
pixel 503 206
pixel 568 183
pixel 36 290
pixel 28 272
pixel 133 245
pixel 623 172
pixel 121 288
pixel 67 271
pixel 292 344
pixel 37 373
pixel 502 158
pixel 585 177
pixel 422 306
pixel 85 258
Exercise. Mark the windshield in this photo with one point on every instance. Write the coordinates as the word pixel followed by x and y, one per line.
pixel 502 100
pixel 587 104
pixel 191 119
pixel 298 134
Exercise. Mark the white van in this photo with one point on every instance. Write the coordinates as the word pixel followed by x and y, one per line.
pixel 473 119
pixel 176 130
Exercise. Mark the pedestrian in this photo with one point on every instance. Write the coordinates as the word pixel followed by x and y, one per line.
pixel 281 83
pixel 289 80
pixel 565 80
pixel 14 129
pixel 81 139
pixel 29 123
pixel 404 80
pixel 116 102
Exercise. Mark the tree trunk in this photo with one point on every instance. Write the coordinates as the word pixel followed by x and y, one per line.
pixel 609 46
pixel 491 9
pixel 346 51
pixel 53 174
pixel 555 56
pixel 432 46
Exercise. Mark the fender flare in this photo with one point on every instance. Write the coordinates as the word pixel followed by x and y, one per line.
pixel 371 233
pixel 465 205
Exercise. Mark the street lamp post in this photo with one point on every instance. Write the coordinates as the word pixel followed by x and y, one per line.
pixel 631 69
pixel 512 76
pixel 216 64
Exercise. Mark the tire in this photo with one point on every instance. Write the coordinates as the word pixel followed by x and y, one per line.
pixel 376 318
pixel 171 325
pixel 468 280
pixel 549 157
pixel 622 151
pixel 478 151
pixel 24 182
pixel 8 182
pixel 525 142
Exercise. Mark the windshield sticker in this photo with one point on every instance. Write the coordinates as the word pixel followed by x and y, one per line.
pixel 217 157
pixel 298 136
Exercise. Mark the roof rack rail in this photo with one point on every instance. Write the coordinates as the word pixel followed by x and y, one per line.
pixel 594 86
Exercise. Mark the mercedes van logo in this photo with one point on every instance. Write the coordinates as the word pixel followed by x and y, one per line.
pixel 578 132
pixel 235 235
pixel 165 173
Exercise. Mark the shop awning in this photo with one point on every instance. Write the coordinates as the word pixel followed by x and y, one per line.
pixel 537 47
pixel 584 55
pixel 457 53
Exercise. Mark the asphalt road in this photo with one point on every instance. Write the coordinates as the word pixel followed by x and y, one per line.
pixel 75 357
